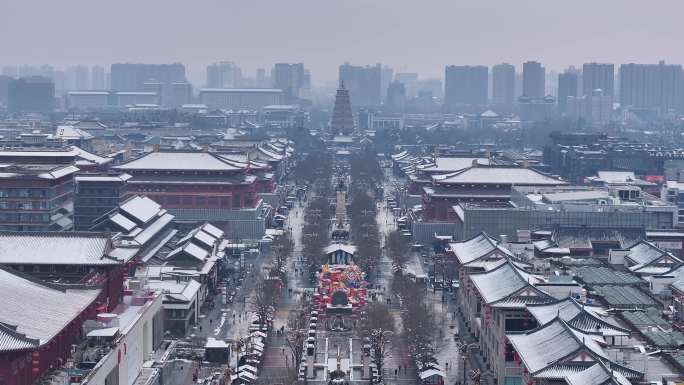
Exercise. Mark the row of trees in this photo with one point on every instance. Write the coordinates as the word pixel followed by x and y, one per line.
pixel 378 328
pixel 399 249
pixel 316 231
pixel 364 229
pixel 365 168
pixel 282 248
pixel 315 166
pixel 418 321
pixel 365 174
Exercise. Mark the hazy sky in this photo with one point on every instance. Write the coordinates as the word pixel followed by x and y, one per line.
pixel 409 35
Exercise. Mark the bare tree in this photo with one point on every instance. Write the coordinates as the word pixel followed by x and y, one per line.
pixel 295 342
pixel 418 321
pixel 282 248
pixel 263 304
pixel 379 328
pixel 398 247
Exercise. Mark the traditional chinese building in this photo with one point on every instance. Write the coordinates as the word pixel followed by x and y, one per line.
pixel 201 186
pixel 39 322
pixel 478 183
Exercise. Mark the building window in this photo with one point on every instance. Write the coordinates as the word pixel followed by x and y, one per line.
pixel 512 381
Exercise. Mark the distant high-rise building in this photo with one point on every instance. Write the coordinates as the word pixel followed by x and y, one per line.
pixel 652 86
pixel 433 86
pixel 363 83
pixel 181 93
pixel 60 80
pixel 538 109
pixel 290 79
pixel 97 78
pixel 77 78
pixel 132 77
pixel 465 86
pixel 157 88
pixel 225 74
pixel 262 81
pixel 342 122
pixel 598 76
pixel 567 87
pixel 31 94
pixel 396 95
pixel 82 78
pixel 503 85
pixel 307 79
pixel 4 87
pixel 386 78
pixel 139 77
pixel 410 82
pixel 534 80
pixel 595 109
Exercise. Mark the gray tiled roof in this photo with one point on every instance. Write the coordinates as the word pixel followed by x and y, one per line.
pixel 475 248
pixel 39 310
pixel 505 281
pixel 624 296
pixel 190 161
pixel 55 248
pixel 10 340
pixel 499 175
pixel 605 276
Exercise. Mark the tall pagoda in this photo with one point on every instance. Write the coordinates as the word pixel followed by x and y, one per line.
pixel 342 119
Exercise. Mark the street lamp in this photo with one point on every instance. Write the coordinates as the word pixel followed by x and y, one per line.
pixel 464 349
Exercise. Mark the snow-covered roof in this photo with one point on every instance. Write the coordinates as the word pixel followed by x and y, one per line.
pixel 338 246
pixel 71 133
pixel 498 175
pixel 553 343
pixel 141 208
pixel 597 374
pixel 645 253
pixel 39 171
pixel 190 249
pixel 183 291
pixel 180 161
pixel 506 281
pixel 212 230
pixel 451 164
pixel 39 310
pixel 425 374
pixel 584 317
pixel 477 247
pixel 10 340
pixel 400 155
pixel 124 223
pixel 71 151
pixel 55 248
pixel 102 178
pixel 153 229
pixel 104 332
pixel 216 343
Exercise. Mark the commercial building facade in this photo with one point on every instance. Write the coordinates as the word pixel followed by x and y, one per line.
pixel 465 86
pixel 238 98
pixel 503 85
pixel 364 84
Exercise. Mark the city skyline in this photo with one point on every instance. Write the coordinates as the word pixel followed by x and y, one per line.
pixel 322 47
